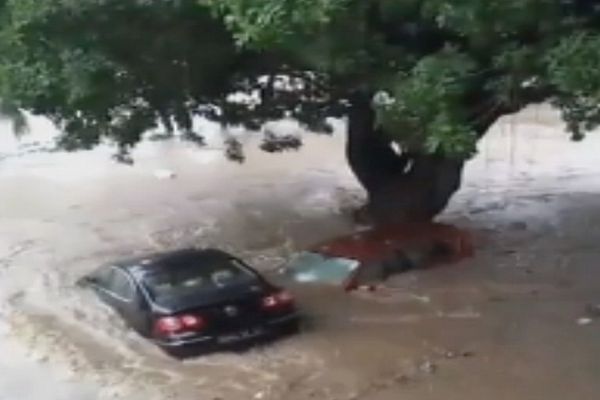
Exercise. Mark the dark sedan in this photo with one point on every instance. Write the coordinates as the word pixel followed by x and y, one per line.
pixel 191 300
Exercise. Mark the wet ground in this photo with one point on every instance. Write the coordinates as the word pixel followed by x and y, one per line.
pixel 505 325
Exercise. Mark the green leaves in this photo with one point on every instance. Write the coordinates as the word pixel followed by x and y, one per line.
pixel 266 23
pixel 573 65
pixel 113 68
pixel 450 135
pixel 485 23
pixel 426 113
pixel 573 70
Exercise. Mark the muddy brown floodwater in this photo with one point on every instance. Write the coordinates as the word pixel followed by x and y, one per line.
pixel 505 325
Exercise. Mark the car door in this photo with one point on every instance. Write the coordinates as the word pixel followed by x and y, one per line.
pixel 101 282
pixel 122 294
pixel 134 307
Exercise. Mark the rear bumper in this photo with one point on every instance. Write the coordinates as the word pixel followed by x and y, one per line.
pixel 179 342
pixel 294 317
pixel 269 328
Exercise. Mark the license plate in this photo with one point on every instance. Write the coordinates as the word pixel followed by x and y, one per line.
pixel 240 336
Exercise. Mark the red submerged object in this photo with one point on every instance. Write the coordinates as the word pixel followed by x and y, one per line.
pixel 368 257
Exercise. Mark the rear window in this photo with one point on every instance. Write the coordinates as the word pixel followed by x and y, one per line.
pixel 195 276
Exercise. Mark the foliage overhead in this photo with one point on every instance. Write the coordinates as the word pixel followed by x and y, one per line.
pixel 440 72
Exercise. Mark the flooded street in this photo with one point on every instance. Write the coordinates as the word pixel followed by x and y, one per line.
pixel 503 325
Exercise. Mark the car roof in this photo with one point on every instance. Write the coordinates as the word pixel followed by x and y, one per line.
pixel 141 265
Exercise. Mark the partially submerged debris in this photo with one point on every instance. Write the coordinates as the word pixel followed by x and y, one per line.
pixel 316 267
pixel 273 143
pixel 421 299
pixel 450 355
pixel 428 367
pixel 164 174
pixel 467 313
pixel 584 321
pixel 402 378
pixel 364 259
pixel 593 310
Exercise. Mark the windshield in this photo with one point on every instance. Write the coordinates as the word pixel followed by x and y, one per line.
pixel 314 267
pixel 194 277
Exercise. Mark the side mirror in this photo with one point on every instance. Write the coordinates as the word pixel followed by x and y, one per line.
pixel 86 281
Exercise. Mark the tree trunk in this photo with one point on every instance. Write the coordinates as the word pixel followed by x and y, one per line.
pixel 405 187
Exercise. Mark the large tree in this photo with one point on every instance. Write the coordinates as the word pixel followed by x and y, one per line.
pixel 420 81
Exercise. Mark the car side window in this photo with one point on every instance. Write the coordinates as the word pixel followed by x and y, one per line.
pixel 121 285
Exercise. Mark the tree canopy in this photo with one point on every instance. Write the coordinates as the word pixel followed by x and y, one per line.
pixel 439 72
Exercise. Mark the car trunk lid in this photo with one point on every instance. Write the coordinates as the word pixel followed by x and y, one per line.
pixel 227 312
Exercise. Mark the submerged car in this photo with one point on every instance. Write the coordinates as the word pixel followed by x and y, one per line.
pixel 191 301
pixel 366 258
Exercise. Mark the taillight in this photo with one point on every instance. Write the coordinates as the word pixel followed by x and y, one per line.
pixel 277 300
pixel 173 325
pixel 167 325
pixel 193 322
pixel 270 302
